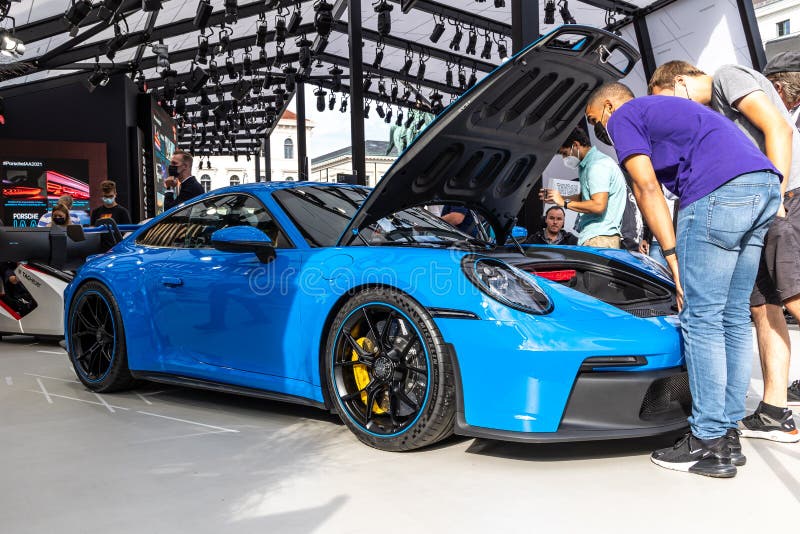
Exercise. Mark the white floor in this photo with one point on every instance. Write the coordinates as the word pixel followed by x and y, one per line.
pixel 182 461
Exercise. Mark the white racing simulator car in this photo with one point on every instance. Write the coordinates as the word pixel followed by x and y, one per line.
pixel 36 264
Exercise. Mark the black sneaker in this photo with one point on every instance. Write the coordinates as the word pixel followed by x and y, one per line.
pixel 710 457
pixel 764 426
pixel 737 458
pixel 793 393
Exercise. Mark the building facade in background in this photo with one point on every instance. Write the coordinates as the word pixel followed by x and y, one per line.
pixel 227 170
pixel 337 166
pixel 779 25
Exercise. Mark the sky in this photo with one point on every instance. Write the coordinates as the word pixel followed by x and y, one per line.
pixel 332 128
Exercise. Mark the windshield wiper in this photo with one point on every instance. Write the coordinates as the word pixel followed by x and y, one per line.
pixel 514 239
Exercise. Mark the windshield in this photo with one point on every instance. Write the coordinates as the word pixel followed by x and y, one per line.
pixel 322 213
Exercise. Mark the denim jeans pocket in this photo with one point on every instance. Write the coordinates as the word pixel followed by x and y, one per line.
pixel 729 219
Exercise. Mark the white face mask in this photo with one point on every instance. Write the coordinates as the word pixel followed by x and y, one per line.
pixel 571 162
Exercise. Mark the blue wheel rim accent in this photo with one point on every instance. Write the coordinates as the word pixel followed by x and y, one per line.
pixel 75 337
pixel 347 411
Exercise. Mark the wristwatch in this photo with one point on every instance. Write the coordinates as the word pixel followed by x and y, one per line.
pixel 566 203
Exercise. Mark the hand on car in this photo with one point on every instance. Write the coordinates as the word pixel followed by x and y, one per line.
pixel 644 247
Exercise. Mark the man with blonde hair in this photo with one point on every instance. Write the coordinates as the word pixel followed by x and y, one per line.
pixel 180 184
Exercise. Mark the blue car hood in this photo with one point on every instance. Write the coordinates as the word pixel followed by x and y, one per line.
pixel 489 147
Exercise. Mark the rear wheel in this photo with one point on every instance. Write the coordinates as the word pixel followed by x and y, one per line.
pixel 97 340
pixel 388 372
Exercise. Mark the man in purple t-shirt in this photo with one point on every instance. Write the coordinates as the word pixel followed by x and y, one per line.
pixel 729 193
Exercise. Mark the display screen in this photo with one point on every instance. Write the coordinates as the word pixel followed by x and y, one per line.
pixel 31 187
pixel 165 136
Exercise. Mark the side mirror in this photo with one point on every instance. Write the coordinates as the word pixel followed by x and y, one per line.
pixel 519 232
pixel 244 239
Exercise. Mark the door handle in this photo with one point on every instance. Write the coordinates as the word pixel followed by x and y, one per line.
pixel 171 281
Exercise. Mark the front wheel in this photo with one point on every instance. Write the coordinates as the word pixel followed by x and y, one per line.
pixel 96 346
pixel 388 372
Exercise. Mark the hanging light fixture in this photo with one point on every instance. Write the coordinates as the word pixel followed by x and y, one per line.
pixel 261 33
pixel 472 42
pixel 438 29
pixel 384 10
pixel 323 17
pixel 320 94
pixel 76 13
pixel 550 12
pixel 202 15
pixel 455 42
pixel 566 16
pixel 231 11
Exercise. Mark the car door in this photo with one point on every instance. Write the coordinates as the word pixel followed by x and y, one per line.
pixel 227 312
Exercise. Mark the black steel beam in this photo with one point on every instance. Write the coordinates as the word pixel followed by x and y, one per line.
pixel 149 27
pixel 257 157
pixel 267 158
pixel 52 26
pixel 747 13
pixel 524 23
pixel 625 8
pixel 645 46
pixel 302 151
pixel 154 83
pixel 356 67
pixel 460 15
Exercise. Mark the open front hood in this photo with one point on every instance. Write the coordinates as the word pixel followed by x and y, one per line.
pixel 489 147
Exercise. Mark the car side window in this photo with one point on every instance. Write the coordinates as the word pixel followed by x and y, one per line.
pixel 192 226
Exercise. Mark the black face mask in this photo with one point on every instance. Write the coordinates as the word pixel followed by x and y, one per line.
pixel 172 170
pixel 59 220
pixel 602 134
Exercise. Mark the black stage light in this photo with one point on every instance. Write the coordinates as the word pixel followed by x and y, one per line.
pixel 394 90
pixel 502 49
pixel 382 87
pixel 332 101
pixel 566 16
pixel 294 22
pixel 406 95
pixel 320 94
pixel 462 79
pixel 343 105
pixel 231 11
pixel 448 76
pixel 291 78
pixel 219 92
pixel 388 117
pixel 141 82
pixel 472 41
pixel 384 11
pixel 303 52
pixel 379 110
pixel 76 13
pixel 10 46
pixel 367 84
pixel 455 42
pixel 168 74
pixel 99 78
pixel 221 111
pixel 116 43
pixel 204 100
pixel 247 64
pixel 399 120
pixel 202 50
pixel 378 55
pixel 278 55
pixel 263 58
pixel 258 85
pixel 261 34
pixel 180 105
pixel 268 79
pixel 197 79
pixel 224 44
pixel 323 17
pixel 486 53
pixel 280 29
pixel 213 71
pixel 409 120
pixel 108 10
pixel 473 79
pixel 499 3
pixel 421 69
pixel 151 5
pixel 336 73
pixel 203 14
pixel 438 30
pixel 240 89
pixel 407 64
pixel 550 12
pixel 366 109
pixel 230 67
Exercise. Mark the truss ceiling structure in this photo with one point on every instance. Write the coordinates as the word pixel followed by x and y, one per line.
pixel 249 85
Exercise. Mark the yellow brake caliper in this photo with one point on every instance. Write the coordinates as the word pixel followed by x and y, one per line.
pixel 361 374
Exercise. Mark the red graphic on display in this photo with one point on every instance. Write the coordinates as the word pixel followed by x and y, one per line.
pixel 157 141
pixel 60 184
pixel 22 192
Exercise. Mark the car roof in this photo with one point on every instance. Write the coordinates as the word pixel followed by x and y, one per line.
pixel 269 187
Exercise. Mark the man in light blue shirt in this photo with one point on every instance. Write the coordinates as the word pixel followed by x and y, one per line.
pixel 603 192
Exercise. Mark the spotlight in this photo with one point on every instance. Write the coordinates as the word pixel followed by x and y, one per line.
pixel 240 89
pixel 231 11
pixel 388 117
pixel 230 67
pixel 448 77
pixel 280 29
pixel 409 120
pixel 421 69
pixel 180 105
pixel 291 78
pixel 462 78
pixel 247 64
pixel 224 44
pixel 455 42
pixel 378 55
pixel 151 5
pixel 197 79
pixel 202 50
pixel 486 53
pixel 366 109
pixel 261 33
pixel 115 44
pixel 204 100
pixel 279 54
pixel 399 120
pixel 409 62
pixel 367 84
pixel 76 13
pixel 108 10
pixel 384 10
pixel 9 45
pixel 380 111
pixel 436 103
pixel 323 17
pixel 320 94
pixel 550 12
pixel 499 3
pixel 294 22
pixel 382 87
pixel 213 71
pixel 336 73
pixel 566 16
pixel 473 79
pixel 162 55
pixel 394 90
pixel 502 50
pixel 343 105
pixel 472 41
pixel 99 78
pixel 141 82
pixel 406 95
pixel 203 14
pixel 332 102
pixel 304 52
pixel 438 30
pixel 263 59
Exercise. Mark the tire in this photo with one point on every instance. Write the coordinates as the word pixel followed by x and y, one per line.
pixel 96 345
pixel 384 351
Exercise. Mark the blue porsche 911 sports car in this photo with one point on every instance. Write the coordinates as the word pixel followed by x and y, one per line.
pixel 363 303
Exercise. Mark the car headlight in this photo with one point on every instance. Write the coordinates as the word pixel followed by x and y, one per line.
pixel 506 284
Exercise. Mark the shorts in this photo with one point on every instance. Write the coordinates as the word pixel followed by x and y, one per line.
pixel 778 276
pixel 603 241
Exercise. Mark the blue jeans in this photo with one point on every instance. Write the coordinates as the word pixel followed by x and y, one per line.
pixel 719 243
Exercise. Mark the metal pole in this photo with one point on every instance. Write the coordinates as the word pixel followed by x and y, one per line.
pixel 356 68
pixel 645 45
pixel 257 155
pixel 750 25
pixel 267 160
pixel 524 23
pixel 302 166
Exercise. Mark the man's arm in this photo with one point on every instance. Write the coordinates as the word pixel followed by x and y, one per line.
pixel 762 113
pixel 454 218
pixel 654 208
